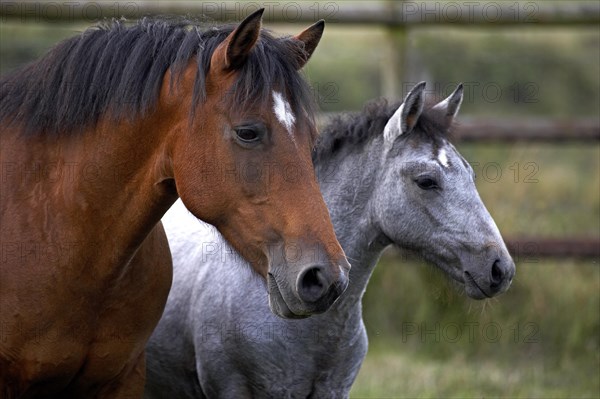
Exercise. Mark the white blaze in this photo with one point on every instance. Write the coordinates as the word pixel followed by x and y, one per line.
pixel 283 111
pixel 443 158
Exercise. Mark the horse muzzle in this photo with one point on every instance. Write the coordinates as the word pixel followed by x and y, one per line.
pixel 306 290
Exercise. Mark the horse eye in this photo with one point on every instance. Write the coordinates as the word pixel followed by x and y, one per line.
pixel 426 183
pixel 247 135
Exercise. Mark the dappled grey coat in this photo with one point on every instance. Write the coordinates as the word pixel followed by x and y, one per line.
pixel 388 177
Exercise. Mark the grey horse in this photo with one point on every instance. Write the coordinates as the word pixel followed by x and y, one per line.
pixel 388 176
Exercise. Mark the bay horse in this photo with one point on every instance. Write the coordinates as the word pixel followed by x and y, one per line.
pixel 99 138
pixel 389 175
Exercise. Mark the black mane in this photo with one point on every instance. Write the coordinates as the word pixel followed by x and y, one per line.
pixel 119 69
pixel 355 129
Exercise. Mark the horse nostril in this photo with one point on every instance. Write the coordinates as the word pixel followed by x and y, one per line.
pixel 497 274
pixel 312 284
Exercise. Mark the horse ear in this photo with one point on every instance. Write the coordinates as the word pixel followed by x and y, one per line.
pixel 407 115
pixel 233 52
pixel 310 37
pixel 451 105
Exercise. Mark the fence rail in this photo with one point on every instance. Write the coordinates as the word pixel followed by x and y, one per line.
pixel 530 129
pixel 534 249
pixel 508 130
pixel 531 249
pixel 391 13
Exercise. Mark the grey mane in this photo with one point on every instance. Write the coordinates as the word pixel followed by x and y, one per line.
pixel 353 130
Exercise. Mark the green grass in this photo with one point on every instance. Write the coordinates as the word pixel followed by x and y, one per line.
pixel 22 42
pixel 544 348
pixel 541 339
pixel 539 189
pixel 398 375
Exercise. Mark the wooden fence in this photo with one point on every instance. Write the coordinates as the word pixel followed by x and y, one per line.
pixel 399 18
pixel 396 14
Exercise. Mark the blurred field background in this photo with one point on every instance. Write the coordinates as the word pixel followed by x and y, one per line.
pixel 542 338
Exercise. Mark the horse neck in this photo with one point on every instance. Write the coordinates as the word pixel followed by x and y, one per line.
pixel 348 180
pixel 142 166
pixel 105 179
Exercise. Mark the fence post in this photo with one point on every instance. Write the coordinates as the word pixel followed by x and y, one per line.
pixel 393 64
